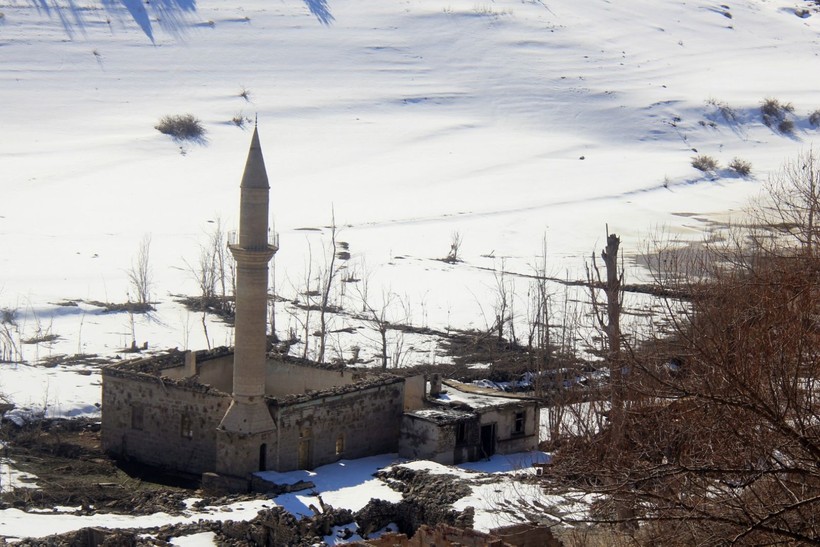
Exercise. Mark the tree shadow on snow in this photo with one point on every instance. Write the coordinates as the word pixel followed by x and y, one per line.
pixel 320 10
pixel 70 15
pixel 169 15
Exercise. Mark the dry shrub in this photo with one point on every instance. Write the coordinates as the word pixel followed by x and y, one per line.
pixel 727 112
pixel 785 126
pixel 774 114
pixel 741 167
pixel 704 163
pixel 182 127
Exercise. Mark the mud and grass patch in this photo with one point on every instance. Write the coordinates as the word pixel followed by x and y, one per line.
pixel 223 307
pixel 42 339
pixel 72 471
pixel 129 307
pixel 76 360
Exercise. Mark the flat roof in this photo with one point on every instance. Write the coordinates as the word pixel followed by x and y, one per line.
pixel 442 415
pixel 477 397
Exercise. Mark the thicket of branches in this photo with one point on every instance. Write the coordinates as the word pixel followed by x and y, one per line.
pixel 718 440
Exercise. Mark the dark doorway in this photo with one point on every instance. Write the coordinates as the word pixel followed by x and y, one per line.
pixel 487 440
pixel 263 457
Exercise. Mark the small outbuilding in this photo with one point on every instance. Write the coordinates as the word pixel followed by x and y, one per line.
pixel 462 423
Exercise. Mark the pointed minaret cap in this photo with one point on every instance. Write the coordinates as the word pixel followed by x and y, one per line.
pixel 255 175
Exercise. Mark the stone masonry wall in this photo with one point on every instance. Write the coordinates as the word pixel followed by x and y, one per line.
pixel 217 373
pixel 361 422
pixel 167 425
pixel 506 441
pixel 423 439
pixel 292 379
pixel 420 439
pixel 414 387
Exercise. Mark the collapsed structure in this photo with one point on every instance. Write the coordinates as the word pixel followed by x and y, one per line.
pixel 228 413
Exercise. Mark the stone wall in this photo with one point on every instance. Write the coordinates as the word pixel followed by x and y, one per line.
pixel 217 373
pixel 161 423
pixel 342 424
pixel 428 440
pixel 282 377
pixel 526 535
pixel 441 535
pixel 507 441
pixel 456 441
pixel 421 439
pixel 294 378
pixel 414 387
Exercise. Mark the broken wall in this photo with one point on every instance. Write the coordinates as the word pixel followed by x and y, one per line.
pixel 217 372
pixel 414 387
pixel 284 378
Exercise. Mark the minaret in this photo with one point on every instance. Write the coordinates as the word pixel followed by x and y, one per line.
pixel 248 413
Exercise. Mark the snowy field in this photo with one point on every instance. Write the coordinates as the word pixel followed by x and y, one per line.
pixel 505 121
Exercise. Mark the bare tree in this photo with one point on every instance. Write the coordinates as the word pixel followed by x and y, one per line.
pixel 455 248
pixel 205 274
pixel 140 274
pixel 720 441
pixel 377 318
pixel 307 296
pixel 791 205
pixel 610 323
pixel 224 272
pixel 538 337
pixel 327 281
pixel 9 330
pixel 215 274
pixel 504 304
pixel 385 318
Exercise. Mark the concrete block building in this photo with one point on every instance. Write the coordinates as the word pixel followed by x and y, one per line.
pixel 229 412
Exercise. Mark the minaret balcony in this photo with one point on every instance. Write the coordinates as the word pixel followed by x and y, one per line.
pixel 257 254
pixel 271 243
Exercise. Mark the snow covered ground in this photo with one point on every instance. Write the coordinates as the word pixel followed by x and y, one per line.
pixel 15 523
pixel 505 121
pixel 347 484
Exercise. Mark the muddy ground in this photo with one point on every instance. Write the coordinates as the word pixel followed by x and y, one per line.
pixel 72 471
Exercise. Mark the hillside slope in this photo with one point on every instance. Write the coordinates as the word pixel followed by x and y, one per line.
pixel 502 120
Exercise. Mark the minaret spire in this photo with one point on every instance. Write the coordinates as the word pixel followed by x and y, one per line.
pixel 248 413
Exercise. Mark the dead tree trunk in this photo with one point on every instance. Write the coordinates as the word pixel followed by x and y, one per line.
pixel 610 323
pixel 614 277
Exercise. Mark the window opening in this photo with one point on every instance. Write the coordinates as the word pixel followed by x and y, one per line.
pixel 518 425
pixel 186 428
